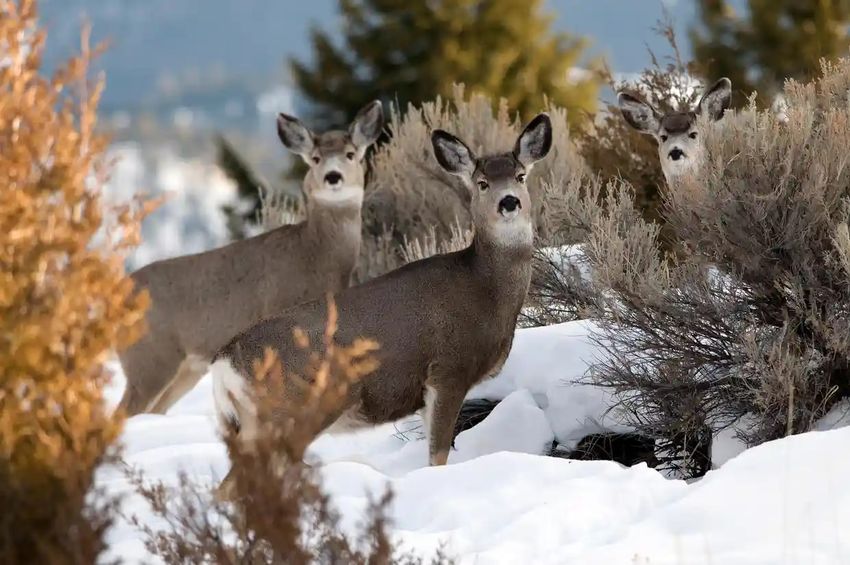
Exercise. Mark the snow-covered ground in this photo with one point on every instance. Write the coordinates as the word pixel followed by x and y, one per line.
pixel 500 501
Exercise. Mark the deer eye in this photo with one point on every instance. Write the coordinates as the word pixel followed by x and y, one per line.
pixel 663 138
pixel 317 159
pixel 692 135
pixel 350 155
pixel 482 184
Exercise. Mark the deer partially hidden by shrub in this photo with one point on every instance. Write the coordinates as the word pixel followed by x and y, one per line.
pixel 748 328
pixel 443 323
pixel 284 515
pixel 200 301
pixel 680 146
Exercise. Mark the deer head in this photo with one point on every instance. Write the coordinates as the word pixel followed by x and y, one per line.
pixel 680 147
pixel 500 206
pixel 337 173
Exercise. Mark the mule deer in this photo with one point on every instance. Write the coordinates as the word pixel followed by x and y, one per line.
pixel 443 323
pixel 679 145
pixel 198 302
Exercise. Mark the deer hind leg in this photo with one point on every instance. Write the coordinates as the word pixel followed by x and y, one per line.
pixel 442 406
pixel 237 415
pixel 226 489
pixel 148 368
pixel 188 373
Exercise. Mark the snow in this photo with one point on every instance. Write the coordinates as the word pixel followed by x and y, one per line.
pixel 726 445
pixel 550 362
pixel 500 501
pixel 837 417
pixel 728 442
pixel 567 257
pixel 189 220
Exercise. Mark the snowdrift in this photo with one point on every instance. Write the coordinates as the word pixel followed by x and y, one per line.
pixel 499 501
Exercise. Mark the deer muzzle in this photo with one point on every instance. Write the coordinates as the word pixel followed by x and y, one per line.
pixel 509 204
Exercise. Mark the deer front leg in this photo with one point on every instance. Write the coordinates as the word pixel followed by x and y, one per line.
pixel 226 490
pixel 442 406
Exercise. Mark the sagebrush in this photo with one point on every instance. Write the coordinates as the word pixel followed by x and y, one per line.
pixel 750 321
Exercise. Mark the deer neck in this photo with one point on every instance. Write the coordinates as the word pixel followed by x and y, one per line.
pixel 505 269
pixel 334 225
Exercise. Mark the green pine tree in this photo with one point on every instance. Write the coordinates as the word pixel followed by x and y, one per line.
pixel 246 210
pixel 409 52
pixel 769 41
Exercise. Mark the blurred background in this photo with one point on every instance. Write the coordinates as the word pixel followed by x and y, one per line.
pixel 193 86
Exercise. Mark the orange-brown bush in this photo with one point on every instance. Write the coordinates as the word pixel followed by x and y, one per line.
pixel 65 302
pixel 282 515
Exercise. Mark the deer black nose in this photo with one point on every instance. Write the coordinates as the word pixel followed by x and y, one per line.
pixel 333 177
pixel 676 154
pixel 509 203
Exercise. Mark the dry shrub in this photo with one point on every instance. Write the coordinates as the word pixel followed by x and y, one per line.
pixel 381 254
pixel 277 208
pixel 771 207
pixel 65 302
pixel 559 279
pixel 752 318
pixel 283 515
pixel 413 198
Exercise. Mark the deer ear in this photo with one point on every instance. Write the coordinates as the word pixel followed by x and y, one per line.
pixel 452 154
pixel 535 141
pixel 716 99
pixel 366 127
pixel 295 135
pixel 638 114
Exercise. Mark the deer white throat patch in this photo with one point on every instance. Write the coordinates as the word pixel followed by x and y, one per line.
pixel 512 230
pixel 344 195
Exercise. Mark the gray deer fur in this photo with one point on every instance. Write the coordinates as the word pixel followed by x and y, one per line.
pixel 199 302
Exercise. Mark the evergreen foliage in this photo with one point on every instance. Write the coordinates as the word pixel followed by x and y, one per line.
pixel 410 52
pixel 769 42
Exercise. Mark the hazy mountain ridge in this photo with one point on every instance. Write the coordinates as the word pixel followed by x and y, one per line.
pixel 162 49
pixel 165 54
